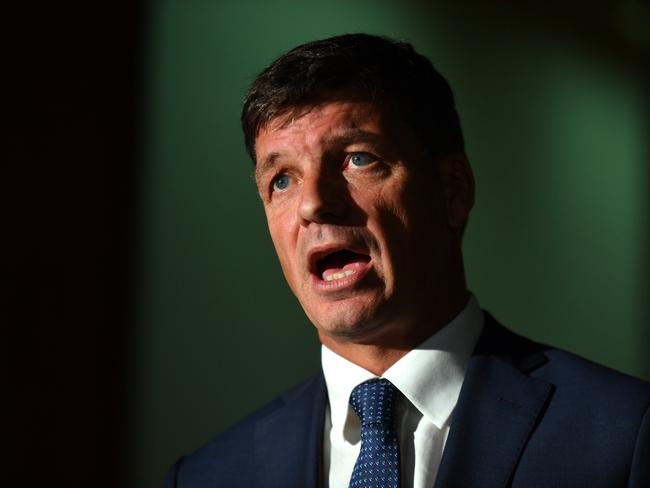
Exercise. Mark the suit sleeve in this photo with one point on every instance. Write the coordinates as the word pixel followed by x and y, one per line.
pixel 640 472
pixel 171 480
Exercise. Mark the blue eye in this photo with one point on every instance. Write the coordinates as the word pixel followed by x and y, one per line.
pixel 281 182
pixel 361 159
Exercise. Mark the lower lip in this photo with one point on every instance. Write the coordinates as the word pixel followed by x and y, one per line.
pixel 342 283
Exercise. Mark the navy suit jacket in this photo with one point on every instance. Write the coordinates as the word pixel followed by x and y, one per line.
pixel 528 416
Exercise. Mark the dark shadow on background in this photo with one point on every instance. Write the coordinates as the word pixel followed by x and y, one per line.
pixel 67 282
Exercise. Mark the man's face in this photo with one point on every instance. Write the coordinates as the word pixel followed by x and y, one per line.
pixel 359 217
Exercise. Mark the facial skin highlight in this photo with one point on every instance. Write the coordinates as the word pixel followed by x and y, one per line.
pixel 366 224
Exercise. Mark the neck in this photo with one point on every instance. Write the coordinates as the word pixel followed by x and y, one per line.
pixel 380 351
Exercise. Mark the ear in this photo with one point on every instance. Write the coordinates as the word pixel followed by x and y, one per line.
pixel 458 186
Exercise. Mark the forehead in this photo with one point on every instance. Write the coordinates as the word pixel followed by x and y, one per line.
pixel 318 127
pixel 315 123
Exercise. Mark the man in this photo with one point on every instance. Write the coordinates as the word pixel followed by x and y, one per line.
pixel 366 188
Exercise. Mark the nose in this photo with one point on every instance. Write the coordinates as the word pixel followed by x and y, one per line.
pixel 323 199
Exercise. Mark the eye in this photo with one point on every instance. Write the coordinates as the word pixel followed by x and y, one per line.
pixel 281 182
pixel 360 159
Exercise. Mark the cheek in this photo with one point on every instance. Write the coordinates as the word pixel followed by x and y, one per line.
pixel 388 220
pixel 392 209
pixel 281 244
pixel 284 241
pixel 287 262
pixel 423 203
pixel 408 221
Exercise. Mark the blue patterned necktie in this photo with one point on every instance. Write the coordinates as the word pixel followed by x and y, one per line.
pixel 378 463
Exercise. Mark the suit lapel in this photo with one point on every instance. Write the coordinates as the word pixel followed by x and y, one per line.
pixel 289 441
pixel 496 412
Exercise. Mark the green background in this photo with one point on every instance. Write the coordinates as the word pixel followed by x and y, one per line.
pixel 554 109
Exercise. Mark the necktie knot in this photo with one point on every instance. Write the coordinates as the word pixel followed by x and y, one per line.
pixel 374 402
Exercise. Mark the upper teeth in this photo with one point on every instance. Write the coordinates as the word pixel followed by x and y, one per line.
pixel 339 275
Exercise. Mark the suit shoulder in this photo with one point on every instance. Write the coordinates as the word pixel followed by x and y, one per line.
pixel 579 384
pixel 567 370
pixel 561 368
pixel 226 457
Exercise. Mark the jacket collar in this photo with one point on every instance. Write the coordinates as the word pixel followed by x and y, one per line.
pixel 497 410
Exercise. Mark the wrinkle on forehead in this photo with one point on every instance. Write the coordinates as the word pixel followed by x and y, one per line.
pixel 322 125
pixel 343 95
pixel 358 112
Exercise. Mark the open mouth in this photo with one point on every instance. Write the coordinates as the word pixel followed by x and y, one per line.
pixel 339 264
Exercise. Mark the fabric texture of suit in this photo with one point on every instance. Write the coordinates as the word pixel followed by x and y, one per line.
pixel 528 416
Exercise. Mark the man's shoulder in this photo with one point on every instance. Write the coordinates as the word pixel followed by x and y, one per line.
pixel 230 456
pixel 554 364
pixel 570 369
pixel 589 393
pixel 564 370
pixel 242 431
pixel 584 400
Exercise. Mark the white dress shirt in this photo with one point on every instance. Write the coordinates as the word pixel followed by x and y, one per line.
pixel 430 377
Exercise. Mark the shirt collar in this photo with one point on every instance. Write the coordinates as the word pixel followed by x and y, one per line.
pixel 430 376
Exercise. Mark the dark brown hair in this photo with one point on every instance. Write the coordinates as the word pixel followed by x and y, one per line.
pixel 378 69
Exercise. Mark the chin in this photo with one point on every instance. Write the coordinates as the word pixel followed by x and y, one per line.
pixel 351 324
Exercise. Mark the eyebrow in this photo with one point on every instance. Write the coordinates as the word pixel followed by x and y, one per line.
pixel 346 137
pixel 267 163
pixel 349 136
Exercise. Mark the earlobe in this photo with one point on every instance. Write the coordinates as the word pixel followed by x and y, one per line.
pixel 458 181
